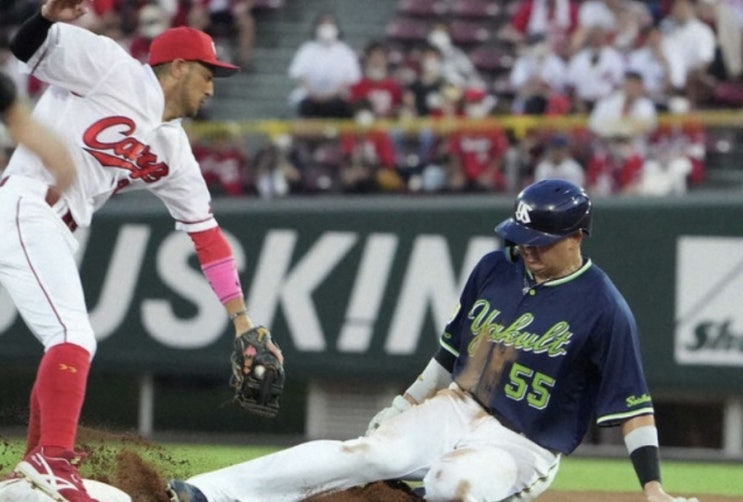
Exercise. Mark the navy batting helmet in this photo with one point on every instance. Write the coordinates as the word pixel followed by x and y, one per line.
pixel 545 212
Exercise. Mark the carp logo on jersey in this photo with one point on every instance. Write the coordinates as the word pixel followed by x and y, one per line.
pixel 127 153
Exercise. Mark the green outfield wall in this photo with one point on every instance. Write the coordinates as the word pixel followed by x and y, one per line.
pixel 361 287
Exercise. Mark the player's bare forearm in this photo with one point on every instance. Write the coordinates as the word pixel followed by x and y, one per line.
pixel 25 130
pixel 63 10
pixel 636 422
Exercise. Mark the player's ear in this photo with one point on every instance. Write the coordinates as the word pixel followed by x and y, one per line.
pixel 179 68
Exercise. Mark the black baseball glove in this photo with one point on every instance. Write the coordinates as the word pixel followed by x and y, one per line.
pixel 257 375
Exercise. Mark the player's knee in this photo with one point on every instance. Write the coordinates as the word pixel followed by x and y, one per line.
pixel 471 476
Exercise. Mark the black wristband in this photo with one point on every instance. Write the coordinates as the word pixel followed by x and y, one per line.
pixel 7 92
pixel 646 461
pixel 30 36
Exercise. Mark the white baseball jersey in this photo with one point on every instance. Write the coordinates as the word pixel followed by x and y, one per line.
pixel 110 106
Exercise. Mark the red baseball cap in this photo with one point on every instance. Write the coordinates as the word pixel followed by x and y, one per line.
pixel 189 44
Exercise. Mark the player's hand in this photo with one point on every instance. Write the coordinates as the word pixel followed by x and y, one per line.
pixel 399 405
pixel 243 323
pixel 654 493
pixel 63 10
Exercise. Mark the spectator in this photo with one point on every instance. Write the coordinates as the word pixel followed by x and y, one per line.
pixel 622 20
pixel 383 91
pixel 614 168
pixel 424 96
pixel 649 61
pixel 325 68
pixel 553 20
pixel 558 163
pixel 594 71
pixel 224 164
pixel 728 62
pixel 476 151
pixel 689 46
pixel 683 143
pixel 276 169
pixel 368 163
pixel 153 20
pixel 457 66
pixel 538 77
pixel 626 113
pixel 230 20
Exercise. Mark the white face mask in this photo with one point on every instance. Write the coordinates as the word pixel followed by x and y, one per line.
pixel 364 118
pixel 327 32
pixel 476 110
pixel 375 72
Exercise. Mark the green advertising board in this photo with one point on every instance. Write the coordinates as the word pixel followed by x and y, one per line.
pixel 361 287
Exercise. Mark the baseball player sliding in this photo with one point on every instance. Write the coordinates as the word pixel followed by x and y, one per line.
pixel 120 121
pixel 540 343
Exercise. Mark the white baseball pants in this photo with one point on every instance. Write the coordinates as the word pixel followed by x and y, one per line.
pixel 464 453
pixel 37 266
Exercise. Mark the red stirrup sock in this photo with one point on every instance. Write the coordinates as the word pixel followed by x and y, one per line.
pixel 60 389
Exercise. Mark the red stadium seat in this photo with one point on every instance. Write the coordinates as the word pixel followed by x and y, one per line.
pixel 477 9
pixel 423 8
pixel 491 58
pixel 466 32
pixel 729 94
pixel 408 29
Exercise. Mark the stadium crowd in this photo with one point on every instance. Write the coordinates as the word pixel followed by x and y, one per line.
pixel 619 63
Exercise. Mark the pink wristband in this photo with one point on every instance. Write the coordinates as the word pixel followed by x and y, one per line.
pixel 223 278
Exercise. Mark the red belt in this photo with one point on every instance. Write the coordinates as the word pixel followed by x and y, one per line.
pixel 52 196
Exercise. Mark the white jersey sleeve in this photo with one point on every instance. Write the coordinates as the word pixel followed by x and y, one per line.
pixel 75 59
pixel 184 190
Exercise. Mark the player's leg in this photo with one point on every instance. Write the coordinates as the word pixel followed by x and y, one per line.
pixel 492 463
pixel 39 271
pixel 403 445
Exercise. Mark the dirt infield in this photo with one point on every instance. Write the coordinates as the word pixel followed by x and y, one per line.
pixel 141 468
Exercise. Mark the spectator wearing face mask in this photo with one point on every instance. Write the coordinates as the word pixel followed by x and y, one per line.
pixel 377 86
pixel 457 68
pixel 553 20
pixel 477 150
pixel 595 71
pixel 424 96
pixel 324 69
pixel 537 77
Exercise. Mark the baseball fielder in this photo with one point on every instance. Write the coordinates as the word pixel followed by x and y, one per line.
pixel 540 344
pixel 121 122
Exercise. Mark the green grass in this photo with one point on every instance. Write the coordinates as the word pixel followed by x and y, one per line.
pixel 576 474
pixel 617 475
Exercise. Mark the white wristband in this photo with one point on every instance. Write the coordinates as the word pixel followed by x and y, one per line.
pixel 433 378
pixel 646 435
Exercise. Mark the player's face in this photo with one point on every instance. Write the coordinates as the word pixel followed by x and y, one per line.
pixel 555 260
pixel 196 87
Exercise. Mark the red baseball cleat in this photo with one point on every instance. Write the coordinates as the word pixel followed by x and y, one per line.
pixel 57 476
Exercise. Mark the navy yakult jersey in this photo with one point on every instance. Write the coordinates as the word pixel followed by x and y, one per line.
pixel 547 358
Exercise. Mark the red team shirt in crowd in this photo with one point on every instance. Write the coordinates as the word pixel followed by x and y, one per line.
pixel 476 150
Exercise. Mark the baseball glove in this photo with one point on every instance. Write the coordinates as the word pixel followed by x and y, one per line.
pixel 257 375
